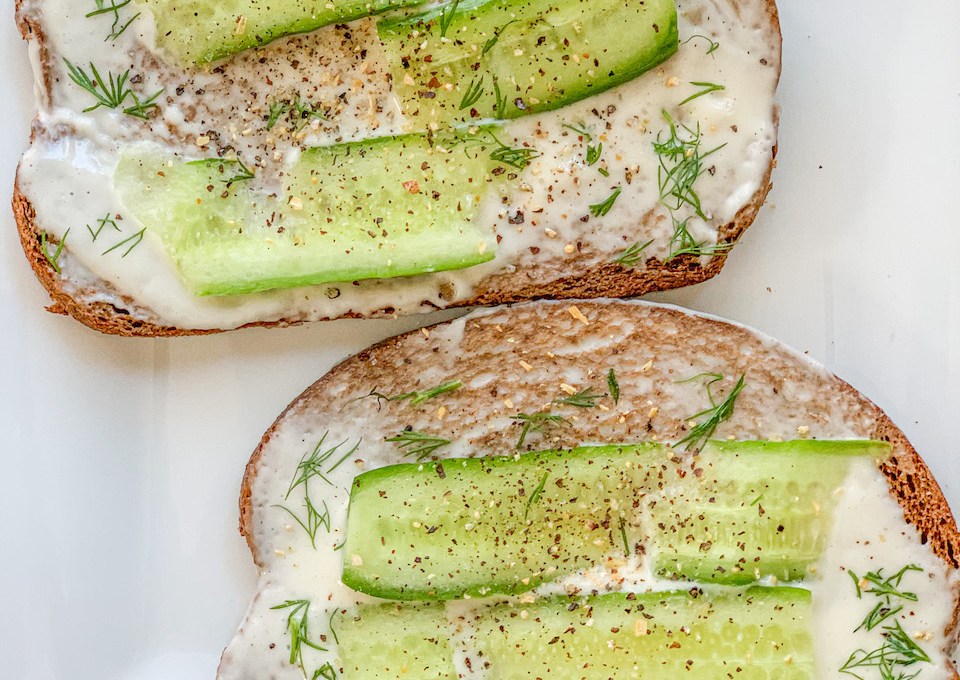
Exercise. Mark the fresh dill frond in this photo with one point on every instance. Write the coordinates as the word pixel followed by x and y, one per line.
pixel 298 112
pixel 54 259
pixel 898 650
pixel 613 386
pixel 623 537
pixel 535 496
pixel 474 91
pixel 104 221
pixel 683 243
pixel 594 151
pixel 131 242
pixel 707 89
pixel 712 46
pixel 713 416
pixel 681 164
pixel 518 157
pixel 605 206
pixel 313 520
pixel 500 107
pixel 111 92
pixel 446 17
pixel 243 172
pixel 487 46
pixel 886 590
pixel 632 256
pixel 313 462
pixel 585 398
pixel 298 626
pixel 326 671
pixel 418 444
pixel 417 397
pixel 537 422
pixel 118 27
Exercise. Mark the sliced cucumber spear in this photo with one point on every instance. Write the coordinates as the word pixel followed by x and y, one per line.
pixel 735 513
pixel 715 634
pixel 387 207
pixel 474 59
pixel 201 31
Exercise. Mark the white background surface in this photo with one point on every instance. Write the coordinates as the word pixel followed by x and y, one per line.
pixel 121 459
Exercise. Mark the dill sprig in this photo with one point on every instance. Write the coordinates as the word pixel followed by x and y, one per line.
pixel 111 92
pixel 418 444
pixel 312 463
pixel 417 397
pixel 446 17
pixel 632 256
pixel 314 519
pixel 713 43
pixel 537 422
pixel 298 627
pixel 681 164
pixel 54 259
pixel 707 89
pixel 103 222
pixel 297 111
pixel 500 107
pixel 585 398
pixel 518 157
pixel 594 151
pixel 535 496
pixel 886 590
pixel 683 243
pixel 474 91
pixel 623 537
pixel 713 416
pixel 603 207
pixel 487 46
pixel 326 671
pixel 131 242
pixel 117 28
pixel 613 386
pixel 898 650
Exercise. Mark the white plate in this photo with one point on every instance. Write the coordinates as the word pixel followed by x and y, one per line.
pixel 121 458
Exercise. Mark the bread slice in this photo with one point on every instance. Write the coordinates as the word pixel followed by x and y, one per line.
pixel 550 266
pixel 519 360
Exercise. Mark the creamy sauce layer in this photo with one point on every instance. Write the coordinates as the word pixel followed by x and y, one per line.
pixel 545 226
pixel 868 533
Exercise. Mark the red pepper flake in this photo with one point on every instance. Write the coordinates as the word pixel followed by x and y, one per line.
pixel 412 186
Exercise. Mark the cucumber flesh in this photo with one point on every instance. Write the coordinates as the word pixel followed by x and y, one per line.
pixel 201 31
pixel 450 62
pixel 393 641
pixel 388 207
pixel 475 527
pixel 714 634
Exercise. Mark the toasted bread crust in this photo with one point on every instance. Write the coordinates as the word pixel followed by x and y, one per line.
pixel 604 280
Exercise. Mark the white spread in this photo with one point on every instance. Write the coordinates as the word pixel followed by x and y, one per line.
pixel 67 173
pixel 869 532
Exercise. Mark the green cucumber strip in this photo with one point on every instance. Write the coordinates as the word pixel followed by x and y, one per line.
pixel 387 207
pixel 769 508
pixel 477 526
pixel 509 58
pixel 396 641
pixel 718 633
pixel 481 526
pixel 201 31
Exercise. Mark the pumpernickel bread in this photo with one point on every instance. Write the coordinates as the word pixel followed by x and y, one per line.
pixel 522 360
pixel 564 253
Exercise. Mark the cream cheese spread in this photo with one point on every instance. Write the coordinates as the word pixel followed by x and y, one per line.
pixel 868 529
pixel 545 227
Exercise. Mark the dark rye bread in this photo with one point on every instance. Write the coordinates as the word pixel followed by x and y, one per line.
pixel 523 353
pixel 570 279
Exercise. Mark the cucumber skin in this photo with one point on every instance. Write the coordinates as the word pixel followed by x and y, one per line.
pixel 561 636
pixel 217 37
pixel 444 106
pixel 669 562
pixel 194 223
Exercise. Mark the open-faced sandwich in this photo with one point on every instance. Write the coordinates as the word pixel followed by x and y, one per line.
pixel 204 165
pixel 592 490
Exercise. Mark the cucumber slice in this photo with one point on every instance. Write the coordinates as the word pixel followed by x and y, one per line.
pixel 201 31
pixel 474 527
pixel 509 58
pixel 713 634
pixel 394 206
pixel 751 634
pixel 394 641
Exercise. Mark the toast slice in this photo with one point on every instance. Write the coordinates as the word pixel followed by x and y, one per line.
pixel 597 372
pixel 588 218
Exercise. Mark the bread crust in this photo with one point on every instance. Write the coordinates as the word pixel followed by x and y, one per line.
pixel 603 280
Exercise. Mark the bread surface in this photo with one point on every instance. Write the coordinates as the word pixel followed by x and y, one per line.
pixel 123 315
pixel 514 359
